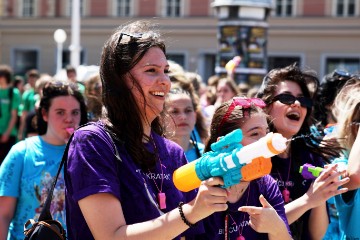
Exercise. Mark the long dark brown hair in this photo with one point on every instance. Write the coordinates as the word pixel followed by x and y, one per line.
pixel 124 118
pixel 305 138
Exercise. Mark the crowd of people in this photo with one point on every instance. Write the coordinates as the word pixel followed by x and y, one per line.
pixel 142 117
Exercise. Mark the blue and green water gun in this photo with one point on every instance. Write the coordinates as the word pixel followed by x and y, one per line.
pixel 231 161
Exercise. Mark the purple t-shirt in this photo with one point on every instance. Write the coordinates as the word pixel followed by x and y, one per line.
pixel 238 222
pixel 286 173
pixel 92 167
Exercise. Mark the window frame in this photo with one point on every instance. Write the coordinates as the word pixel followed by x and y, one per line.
pixel 22 5
pixel 326 57
pixel 13 59
pixel 66 57
pixel 172 2
pixel 182 54
pixel 115 8
pixel 299 55
pixel 284 8
pixel 82 8
pixel 346 5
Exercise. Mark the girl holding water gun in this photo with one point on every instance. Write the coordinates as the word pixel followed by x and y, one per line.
pixel 288 94
pixel 255 208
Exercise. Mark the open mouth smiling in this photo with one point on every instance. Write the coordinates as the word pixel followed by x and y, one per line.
pixel 158 94
pixel 295 116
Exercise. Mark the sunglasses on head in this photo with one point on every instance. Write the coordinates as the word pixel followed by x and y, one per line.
pixel 244 103
pixel 132 36
pixel 341 74
pixel 289 99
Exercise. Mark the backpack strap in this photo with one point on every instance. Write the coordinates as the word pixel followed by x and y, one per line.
pixel 45 212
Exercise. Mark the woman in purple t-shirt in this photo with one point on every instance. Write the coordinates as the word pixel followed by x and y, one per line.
pixel 119 185
pixel 256 208
pixel 288 93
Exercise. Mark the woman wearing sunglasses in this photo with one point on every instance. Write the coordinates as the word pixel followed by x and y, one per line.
pixel 288 93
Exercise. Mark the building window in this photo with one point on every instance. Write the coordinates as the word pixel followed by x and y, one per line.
pixel 282 61
pixel 345 8
pixel 350 64
pixel 209 66
pixel 173 8
pixel 123 8
pixel 234 12
pixel 177 57
pixel 284 8
pixel 28 8
pixel 70 3
pixel 25 59
pixel 66 55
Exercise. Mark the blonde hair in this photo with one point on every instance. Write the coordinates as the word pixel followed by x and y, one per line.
pixel 346 110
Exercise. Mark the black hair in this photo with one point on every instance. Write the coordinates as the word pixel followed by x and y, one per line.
pixel 308 83
pixel 330 85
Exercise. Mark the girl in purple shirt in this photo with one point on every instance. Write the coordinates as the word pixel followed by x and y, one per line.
pixel 288 93
pixel 118 174
pixel 256 208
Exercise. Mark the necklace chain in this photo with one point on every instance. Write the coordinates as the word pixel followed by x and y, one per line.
pixel 161 167
pixel 288 175
pixel 240 231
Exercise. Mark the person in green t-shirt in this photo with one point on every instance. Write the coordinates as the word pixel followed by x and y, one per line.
pixel 9 104
pixel 28 100
pixel 72 77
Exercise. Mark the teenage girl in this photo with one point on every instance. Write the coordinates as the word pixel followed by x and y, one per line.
pixel 183 113
pixel 255 208
pixel 29 168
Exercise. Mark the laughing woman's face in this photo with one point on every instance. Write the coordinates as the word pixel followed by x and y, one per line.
pixel 288 119
pixel 152 74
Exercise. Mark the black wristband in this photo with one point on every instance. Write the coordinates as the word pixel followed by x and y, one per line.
pixel 183 216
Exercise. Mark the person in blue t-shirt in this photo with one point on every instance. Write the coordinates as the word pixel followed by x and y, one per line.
pixel 182 106
pixel 27 172
pixel 346 109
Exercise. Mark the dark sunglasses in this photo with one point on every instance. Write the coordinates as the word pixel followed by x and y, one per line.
pixel 341 74
pixel 289 99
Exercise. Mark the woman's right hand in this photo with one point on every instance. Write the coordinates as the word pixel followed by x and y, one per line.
pixel 326 186
pixel 210 198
